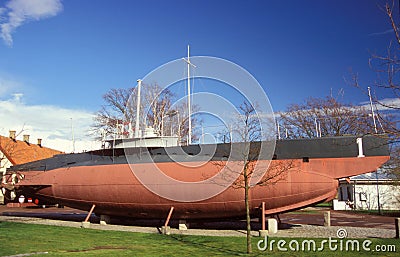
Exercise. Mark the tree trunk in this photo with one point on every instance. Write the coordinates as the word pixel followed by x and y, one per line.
pixel 246 199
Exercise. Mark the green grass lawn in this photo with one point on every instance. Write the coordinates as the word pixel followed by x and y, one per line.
pixel 18 238
pixel 326 204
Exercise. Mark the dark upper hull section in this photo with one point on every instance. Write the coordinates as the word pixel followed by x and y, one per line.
pixel 326 147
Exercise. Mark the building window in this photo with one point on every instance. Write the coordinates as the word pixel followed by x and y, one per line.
pixel 346 193
pixel 363 197
pixel 350 193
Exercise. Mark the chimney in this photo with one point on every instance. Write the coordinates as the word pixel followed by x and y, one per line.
pixel 12 134
pixel 39 142
pixel 26 139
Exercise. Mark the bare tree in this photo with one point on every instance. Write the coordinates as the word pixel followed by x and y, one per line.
pixel 158 103
pixel 246 135
pixel 155 111
pixel 112 112
pixel 325 117
pixel 386 88
pixel 386 67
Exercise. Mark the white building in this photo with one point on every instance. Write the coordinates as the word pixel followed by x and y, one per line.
pixel 368 191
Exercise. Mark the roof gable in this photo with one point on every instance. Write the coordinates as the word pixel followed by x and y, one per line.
pixel 19 152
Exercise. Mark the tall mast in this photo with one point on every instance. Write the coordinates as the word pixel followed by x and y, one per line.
pixel 189 96
pixel 372 110
pixel 189 140
pixel 73 136
pixel 138 109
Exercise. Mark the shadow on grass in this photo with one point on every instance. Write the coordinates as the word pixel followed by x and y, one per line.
pixel 203 243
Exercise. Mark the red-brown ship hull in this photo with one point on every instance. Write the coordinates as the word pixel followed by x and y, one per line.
pixel 116 191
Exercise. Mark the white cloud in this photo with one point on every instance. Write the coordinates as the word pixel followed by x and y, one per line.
pixel 389 103
pixel 2 10
pixel 388 31
pixel 7 85
pixel 386 104
pixel 51 123
pixel 17 12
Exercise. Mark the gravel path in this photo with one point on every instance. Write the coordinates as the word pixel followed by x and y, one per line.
pixel 300 230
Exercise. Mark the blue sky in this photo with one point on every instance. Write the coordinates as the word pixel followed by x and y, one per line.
pixel 68 54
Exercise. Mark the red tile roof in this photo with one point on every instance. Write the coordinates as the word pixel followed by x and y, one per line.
pixel 18 152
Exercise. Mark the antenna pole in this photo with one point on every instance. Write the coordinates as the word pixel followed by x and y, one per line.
pixel 279 131
pixel 319 128
pixel 138 109
pixel 189 96
pixel 316 126
pixel 189 139
pixel 73 136
pixel 372 109
pixel 202 134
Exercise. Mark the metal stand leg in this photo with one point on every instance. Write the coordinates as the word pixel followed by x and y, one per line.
pixel 86 223
pixel 166 229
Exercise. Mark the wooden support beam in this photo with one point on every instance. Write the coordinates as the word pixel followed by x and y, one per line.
pixel 169 216
pixel 90 213
pixel 263 216
pixel 327 218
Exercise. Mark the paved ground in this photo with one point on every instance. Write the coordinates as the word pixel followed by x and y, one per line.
pixel 339 218
pixel 308 223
